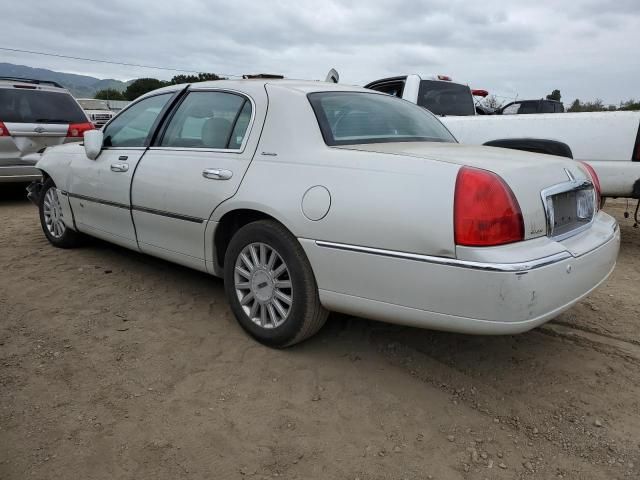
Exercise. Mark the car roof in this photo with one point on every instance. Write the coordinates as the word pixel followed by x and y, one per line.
pixel 250 85
pixel 31 84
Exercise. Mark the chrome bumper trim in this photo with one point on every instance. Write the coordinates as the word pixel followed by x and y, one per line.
pixel 452 262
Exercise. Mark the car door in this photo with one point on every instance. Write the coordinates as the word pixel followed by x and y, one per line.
pixel 198 161
pixel 100 189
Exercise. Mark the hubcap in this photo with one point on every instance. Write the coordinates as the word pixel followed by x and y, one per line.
pixel 52 212
pixel 263 285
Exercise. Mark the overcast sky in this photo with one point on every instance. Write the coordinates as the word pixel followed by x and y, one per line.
pixel 586 48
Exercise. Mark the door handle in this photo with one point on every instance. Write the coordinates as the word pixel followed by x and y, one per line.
pixel 217 174
pixel 119 167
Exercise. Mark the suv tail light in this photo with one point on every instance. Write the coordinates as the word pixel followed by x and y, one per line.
pixel 596 182
pixel 485 211
pixel 76 130
pixel 4 132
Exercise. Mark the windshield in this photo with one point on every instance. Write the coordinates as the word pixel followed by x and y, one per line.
pixel 91 104
pixel 351 118
pixel 445 98
pixel 23 105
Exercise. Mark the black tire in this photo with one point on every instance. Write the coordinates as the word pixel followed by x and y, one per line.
pixel 69 238
pixel 306 315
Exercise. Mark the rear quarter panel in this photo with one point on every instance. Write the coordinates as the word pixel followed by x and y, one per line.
pixel 378 200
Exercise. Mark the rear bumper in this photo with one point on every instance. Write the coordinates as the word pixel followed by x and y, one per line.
pixel 466 297
pixel 19 173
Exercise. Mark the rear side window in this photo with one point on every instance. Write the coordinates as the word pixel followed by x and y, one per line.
pixel 446 98
pixel 547 107
pixel 528 108
pixel 21 105
pixel 351 118
pixel 214 120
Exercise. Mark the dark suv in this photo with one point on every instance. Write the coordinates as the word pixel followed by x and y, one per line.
pixel 531 106
pixel 34 114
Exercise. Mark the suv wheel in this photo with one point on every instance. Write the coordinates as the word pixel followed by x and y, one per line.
pixel 270 285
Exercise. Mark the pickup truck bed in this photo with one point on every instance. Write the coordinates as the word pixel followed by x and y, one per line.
pixel 589 135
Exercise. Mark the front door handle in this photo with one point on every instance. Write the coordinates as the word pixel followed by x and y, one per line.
pixel 119 167
pixel 217 174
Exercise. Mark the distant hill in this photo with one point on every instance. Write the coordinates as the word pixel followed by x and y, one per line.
pixel 80 86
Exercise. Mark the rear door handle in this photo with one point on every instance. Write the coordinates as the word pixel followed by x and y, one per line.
pixel 119 167
pixel 217 174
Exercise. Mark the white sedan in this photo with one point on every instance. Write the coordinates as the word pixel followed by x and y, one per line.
pixel 308 197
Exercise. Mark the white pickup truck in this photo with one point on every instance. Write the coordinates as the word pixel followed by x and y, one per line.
pixel 608 141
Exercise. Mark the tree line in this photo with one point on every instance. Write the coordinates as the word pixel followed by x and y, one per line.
pixel 141 86
pixel 596 105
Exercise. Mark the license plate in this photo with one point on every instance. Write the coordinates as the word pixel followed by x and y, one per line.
pixel 570 210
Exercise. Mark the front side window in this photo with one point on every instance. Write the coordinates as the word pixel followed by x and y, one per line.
pixel 446 98
pixel 511 109
pixel 215 120
pixel 22 105
pixel 351 118
pixel 133 126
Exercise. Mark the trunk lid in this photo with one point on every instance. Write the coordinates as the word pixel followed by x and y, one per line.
pixel 530 176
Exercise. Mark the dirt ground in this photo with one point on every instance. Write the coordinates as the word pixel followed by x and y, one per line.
pixel 117 365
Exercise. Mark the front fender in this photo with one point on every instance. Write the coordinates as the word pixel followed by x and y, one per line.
pixel 56 163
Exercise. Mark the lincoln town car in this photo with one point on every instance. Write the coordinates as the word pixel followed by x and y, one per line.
pixel 310 197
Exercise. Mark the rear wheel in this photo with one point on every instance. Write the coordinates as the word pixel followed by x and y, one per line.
pixel 270 285
pixel 52 219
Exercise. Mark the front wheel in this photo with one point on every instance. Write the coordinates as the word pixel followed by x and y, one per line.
pixel 53 220
pixel 270 285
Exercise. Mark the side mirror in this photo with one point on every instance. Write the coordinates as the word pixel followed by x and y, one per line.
pixel 93 143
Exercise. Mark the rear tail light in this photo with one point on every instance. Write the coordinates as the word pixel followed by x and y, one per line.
pixel 595 180
pixel 3 130
pixel 486 213
pixel 76 130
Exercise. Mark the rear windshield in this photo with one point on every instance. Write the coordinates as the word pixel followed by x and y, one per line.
pixel 91 104
pixel 445 98
pixel 21 105
pixel 351 118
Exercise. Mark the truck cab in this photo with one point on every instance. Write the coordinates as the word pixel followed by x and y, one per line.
pixel 436 93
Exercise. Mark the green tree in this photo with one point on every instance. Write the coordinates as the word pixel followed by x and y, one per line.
pixel 630 105
pixel 201 77
pixel 109 94
pixel 141 86
pixel 596 106
pixel 576 106
pixel 555 95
